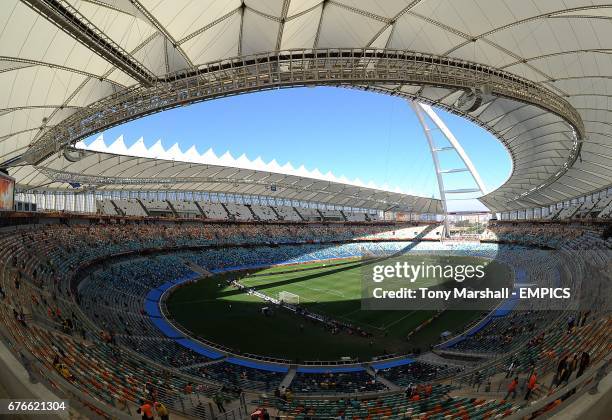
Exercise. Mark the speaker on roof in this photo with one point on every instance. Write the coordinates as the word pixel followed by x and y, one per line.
pixel 73 155
pixel 469 101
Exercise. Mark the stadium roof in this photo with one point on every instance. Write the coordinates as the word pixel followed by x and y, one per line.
pixel 536 74
pixel 164 172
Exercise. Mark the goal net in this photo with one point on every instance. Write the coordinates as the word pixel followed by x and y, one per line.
pixel 289 297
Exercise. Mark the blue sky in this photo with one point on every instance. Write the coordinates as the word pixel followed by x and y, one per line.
pixel 358 134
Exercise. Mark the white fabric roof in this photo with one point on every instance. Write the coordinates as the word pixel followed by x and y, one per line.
pixel 192 155
pixel 47 74
pixel 114 171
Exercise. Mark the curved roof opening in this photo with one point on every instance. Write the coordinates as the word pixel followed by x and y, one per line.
pixel 348 136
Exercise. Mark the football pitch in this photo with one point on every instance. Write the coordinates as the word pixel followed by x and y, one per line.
pixel 225 315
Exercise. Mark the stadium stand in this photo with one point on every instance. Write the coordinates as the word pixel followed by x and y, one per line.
pixel 415 372
pixel 605 206
pixel 264 213
pixel 83 295
pixel 103 333
pixel 187 209
pixel 158 207
pixel 309 214
pixel 288 214
pixel 586 210
pixel 107 207
pixel 227 211
pixel 355 216
pixel 332 215
pixel 569 212
pixel 214 211
pixel 314 381
pixel 239 212
pixel 130 207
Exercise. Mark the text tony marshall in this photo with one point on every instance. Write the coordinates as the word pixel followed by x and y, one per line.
pixel 457 293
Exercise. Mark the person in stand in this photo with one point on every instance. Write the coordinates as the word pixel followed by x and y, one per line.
pixel 162 411
pixel 567 374
pixel 561 368
pixel 512 388
pixel 510 370
pixel 146 410
pixel 218 400
pixel 585 360
pixel 531 385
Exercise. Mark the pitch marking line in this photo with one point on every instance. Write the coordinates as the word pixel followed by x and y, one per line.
pixel 320 291
pixel 399 319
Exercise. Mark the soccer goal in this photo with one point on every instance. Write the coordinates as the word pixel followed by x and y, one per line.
pixel 289 297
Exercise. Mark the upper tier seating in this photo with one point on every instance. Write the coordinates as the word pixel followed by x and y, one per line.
pixel 288 213
pixel 239 212
pixel 130 207
pixel 186 208
pixel 605 204
pixel 107 207
pixel 214 211
pixel 587 208
pixel 264 213
pixel 569 212
pixel 217 211
pixel 332 215
pixel 355 216
pixel 310 215
pixel 157 207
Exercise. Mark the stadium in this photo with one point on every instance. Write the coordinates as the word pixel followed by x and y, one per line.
pixel 141 280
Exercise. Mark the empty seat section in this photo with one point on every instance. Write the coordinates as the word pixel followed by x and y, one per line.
pixel 213 211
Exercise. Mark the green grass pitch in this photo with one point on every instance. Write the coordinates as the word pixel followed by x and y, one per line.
pixel 227 316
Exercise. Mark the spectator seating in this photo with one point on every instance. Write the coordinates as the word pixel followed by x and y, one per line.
pixel 427 402
pixel 239 212
pixel 288 214
pixel 417 372
pixel 553 214
pixel 569 212
pixel 331 382
pixel 587 209
pixel 264 213
pixel 113 349
pixel 355 216
pixel 130 207
pixel 242 377
pixel 214 211
pixel 332 215
pixel 186 208
pixel 226 211
pixel 605 204
pixel 310 215
pixel 107 207
pixel 157 207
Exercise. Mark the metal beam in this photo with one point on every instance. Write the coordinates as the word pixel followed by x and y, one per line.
pixel 69 20
pixel 427 131
pixel 455 145
pixel 337 67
